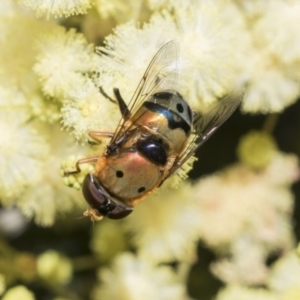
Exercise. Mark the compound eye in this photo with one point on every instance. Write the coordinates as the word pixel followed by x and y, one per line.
pixel 96 198
pixel 92 193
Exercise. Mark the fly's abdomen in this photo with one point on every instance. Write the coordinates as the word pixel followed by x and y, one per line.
pixel 129 175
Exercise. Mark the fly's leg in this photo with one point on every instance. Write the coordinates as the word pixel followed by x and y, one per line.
pixel 120 101
pixel 86 160
pixel 122 105
pixel 106 96
pixel 98 135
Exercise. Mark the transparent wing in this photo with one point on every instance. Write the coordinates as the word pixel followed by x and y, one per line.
pixel 161 74
pixel 207 124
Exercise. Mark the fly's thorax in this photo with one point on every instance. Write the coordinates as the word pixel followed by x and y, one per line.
pixel 167 114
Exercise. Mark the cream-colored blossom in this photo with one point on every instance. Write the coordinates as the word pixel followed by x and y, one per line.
pixel 246 265
pixel 285 274
pixel 20 83
pixel 123 69
pixel 212 50
pixel 18 292
pixel 233 292
pixel 48 197
pixel 11 97
pixel 58 8
pixel 23 151
pixel 165 226
pixel 63 59
pixel 17 55
pixel 7 7
pixel 44 110
pixel 207 66
pixel 74 180
pixel 86 110
pixel 243 201
pixel 120 10
pixel 208 33
pixel 132 278
pixel 270 85
pixel 108 240
pixel 252 9
pixel 272 74
pixel 67 55
pixel 245 214
pixel 54 267
pixel 257 149
pixel 281 37
pixel 283 170
pixel 181 174
pixel 12 8
pixel 292 293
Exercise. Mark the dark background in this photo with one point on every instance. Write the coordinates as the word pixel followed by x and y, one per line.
pixel 73 237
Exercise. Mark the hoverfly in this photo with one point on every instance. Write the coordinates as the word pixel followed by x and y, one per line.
pixel 157 133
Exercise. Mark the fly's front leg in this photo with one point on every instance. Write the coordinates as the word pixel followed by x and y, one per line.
pixel 98 135
pixel 125 112
pixel 86 160
pixel 120 101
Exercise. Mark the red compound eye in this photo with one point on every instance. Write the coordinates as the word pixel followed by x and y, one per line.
pixel 98 199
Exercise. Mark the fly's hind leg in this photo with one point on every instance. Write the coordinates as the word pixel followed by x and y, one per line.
pixel 86 160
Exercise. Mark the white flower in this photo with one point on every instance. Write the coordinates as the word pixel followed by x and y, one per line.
pixel 86 110
pixel 243 202
pixel 165 226
pixel 246 215
pixel 281 37
pixel 120 10
pixel 17 62
pixel 7 8
pixel 285 273
pixel 273 71
pixel 212 50
pixel 270 85
pixel 23 151
pixel 252 9
pixel 283 170
pixel 233 292
pixel 48 197
pixel 63 59
pixel 207 67
pixel 59 8
pixel 121 67
pixel 246 265
pixel 131 278
pixel 11 97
